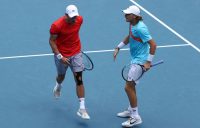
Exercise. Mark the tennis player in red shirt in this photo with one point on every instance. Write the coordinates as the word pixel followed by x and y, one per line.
pixel 66 46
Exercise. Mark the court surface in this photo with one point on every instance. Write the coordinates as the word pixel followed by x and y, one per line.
pixel 168 94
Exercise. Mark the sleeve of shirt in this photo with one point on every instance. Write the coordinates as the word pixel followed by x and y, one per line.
pixel 81 20
pixel 54 29
pixel 144 34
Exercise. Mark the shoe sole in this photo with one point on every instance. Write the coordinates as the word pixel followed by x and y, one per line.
pixel 81 116
pixel 138 123
pixel 123 116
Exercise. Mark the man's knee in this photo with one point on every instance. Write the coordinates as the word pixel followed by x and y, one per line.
pixel 78 78
pixel 60 78
pixel 129 85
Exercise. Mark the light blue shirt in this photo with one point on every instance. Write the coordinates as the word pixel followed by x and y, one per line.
pixel 139 50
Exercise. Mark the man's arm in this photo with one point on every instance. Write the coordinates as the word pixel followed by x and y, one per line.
pixel 120 45
pixel 52 42
pixel 152 51
pixel 152 47
pixel 126 40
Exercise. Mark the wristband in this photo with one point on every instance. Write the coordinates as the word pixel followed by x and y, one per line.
pixel 150 57
pixel 59 56
pixel 121 44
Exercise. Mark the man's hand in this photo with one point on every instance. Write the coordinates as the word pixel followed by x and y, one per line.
pixel 65 60
pixel 115 53
pixel 147 65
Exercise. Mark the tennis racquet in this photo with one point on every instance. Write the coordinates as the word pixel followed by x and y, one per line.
pixel 126 68
pixel 87 61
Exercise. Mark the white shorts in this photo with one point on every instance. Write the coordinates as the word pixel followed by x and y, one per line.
pixel 134 72
pixel 76 64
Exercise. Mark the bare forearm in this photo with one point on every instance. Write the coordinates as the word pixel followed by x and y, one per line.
pixel 126 40
pixel 52 42
pixel 53 46
pixel 152 47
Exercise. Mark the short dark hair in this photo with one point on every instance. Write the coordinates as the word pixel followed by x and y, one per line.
pixel 139 18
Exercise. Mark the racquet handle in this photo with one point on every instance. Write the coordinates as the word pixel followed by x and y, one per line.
pixel 157 63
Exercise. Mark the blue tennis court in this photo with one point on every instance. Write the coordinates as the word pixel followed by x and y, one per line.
pixel 168 94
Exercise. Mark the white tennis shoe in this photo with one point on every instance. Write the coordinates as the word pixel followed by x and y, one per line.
pixel 132 121
pixel 57 91
pixel 83 114
pixel 124 114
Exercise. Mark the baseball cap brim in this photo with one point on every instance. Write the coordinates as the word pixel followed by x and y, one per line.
pixel 126 11
pixel 73 14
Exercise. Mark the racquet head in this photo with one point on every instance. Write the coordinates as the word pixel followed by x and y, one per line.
pixel 126 70
pixel 87 61
pixel 127 73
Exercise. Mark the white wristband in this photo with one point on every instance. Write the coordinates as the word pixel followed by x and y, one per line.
pixel 150 57
pixel 121 44
pixel 59 56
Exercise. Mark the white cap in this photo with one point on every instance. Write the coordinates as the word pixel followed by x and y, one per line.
pixel 72 11
pixel 132 10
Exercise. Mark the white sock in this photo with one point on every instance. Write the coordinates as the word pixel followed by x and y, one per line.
pixel 134 112
pixel 58 85
pixel 129 108
pixel 82 103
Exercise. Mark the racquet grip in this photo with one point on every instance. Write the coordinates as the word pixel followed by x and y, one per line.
pixel 157 63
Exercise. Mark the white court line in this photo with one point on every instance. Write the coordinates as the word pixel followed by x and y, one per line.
pixel 97 51
pixel 125 49
pixel 166 26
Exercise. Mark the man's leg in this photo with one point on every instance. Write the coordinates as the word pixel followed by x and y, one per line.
pixel 61 70
pixel 58 86
pixel 81 95
pixel 130 89
pixel 131 93
pixel 80 91
pixel 135 118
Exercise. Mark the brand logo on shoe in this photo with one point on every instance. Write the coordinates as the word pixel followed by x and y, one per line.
pixel 132 120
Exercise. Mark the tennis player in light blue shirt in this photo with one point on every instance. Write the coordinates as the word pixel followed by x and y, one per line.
pixel 142 50
pixel 138 40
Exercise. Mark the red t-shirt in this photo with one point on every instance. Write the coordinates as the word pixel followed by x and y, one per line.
pixel 68 40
